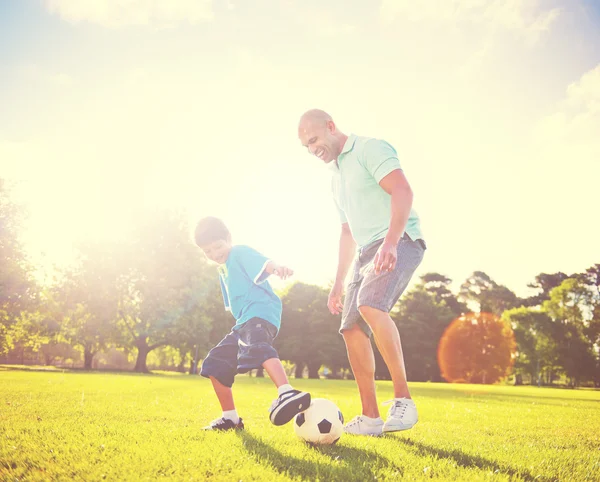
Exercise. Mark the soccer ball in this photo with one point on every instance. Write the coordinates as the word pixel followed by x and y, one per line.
pixel 321 423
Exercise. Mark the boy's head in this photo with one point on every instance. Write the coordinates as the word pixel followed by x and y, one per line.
pixel 213 237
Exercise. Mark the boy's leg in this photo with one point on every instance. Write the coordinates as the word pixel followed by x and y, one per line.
pixel 276 372
pixel 224 394
pixel 290 402
pixel 256 349
pixel 220 367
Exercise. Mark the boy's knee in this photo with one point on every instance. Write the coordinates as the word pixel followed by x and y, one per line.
pixel 219 371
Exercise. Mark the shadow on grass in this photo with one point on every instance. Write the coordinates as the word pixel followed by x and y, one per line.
pixel 465 460
pixel 475 394
pixel 347 463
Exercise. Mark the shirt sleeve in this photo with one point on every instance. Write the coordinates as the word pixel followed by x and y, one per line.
pixel 225 294
pixel 254 264
pixel 380 158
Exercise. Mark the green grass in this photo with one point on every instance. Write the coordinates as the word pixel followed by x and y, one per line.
pixel 98 426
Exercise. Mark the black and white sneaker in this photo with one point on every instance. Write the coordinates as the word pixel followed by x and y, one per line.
pixel 288 405
pixel 224 424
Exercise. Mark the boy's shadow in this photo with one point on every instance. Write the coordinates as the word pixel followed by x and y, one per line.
pixel 347 463
pixel 463 459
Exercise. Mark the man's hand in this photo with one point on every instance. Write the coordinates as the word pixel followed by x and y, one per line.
pixel 385 258
pixel 282 271
pixel 334 302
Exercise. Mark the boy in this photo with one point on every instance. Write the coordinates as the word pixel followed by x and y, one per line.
pixel 243 274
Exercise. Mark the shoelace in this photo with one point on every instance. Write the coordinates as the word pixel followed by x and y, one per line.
pixel 217 421
pixel 279 398
pixel 355 421
pixel 398 405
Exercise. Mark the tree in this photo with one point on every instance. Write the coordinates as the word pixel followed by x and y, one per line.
pixel 28 332
pixel 591 279
pixel 566 307
pixel 489 296
pixel 536 347
pixel 544 283
pixel 476 348
pixel 439 285
pixel 422 316
pixel 164 281
pixel 17 288
pixel 86 299
pixel 203 326
pixel 309 333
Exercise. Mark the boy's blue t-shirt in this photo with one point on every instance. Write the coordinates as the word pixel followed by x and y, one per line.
pixel 246 292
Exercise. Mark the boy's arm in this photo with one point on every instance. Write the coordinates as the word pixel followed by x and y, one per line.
pixel 279 270
pixel 259 267
pixel 225 294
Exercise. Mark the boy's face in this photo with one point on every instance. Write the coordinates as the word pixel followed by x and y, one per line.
pixel 217 251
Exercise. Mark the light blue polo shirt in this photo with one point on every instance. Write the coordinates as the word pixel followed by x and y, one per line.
pixel 360 200
pixel 246 292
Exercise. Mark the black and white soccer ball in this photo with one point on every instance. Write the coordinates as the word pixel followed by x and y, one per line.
pixel 321 423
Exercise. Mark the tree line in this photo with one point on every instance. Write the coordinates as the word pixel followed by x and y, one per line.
pixel 153 295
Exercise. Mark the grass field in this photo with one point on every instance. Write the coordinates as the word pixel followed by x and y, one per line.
pixel 100 426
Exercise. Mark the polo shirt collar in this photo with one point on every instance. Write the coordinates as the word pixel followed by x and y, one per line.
pixel 348 146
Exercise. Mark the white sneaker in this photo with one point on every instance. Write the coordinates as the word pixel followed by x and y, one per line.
pixel 402 415
pixel 360 426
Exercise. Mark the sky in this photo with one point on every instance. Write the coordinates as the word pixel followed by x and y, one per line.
pixel 492 105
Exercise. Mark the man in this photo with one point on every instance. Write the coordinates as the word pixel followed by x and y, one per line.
pixel 374 201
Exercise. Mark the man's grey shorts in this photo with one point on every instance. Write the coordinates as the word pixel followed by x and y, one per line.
pixel 380 291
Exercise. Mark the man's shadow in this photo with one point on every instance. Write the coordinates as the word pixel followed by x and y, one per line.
pixel 463 459
pixel 348 463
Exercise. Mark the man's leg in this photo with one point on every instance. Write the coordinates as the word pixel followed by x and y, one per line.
pixel 362 361
pixel 387 339
pixel 379 292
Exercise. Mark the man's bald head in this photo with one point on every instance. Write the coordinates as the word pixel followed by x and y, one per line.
pixel 319 134
pixel 316 116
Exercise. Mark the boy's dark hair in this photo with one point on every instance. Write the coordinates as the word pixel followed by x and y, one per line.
pixel 210 229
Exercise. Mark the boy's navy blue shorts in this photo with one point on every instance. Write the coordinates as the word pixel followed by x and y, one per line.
pixel 242 350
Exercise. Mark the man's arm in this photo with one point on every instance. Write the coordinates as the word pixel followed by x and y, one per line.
pixel 347 249
pixel 396 185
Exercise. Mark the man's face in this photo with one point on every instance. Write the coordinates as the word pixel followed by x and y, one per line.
pixel 217 251
pixel 318 138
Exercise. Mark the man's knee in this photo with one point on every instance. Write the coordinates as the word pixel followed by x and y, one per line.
pixel 371 314
pixel 354 334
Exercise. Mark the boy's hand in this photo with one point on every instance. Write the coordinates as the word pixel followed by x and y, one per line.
pixel 282 271
pixel 334 302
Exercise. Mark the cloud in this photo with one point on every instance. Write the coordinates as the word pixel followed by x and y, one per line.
pixel 35 73
pixel 121 13
pixel 524 17
pixel 61 80
pixel 573 129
